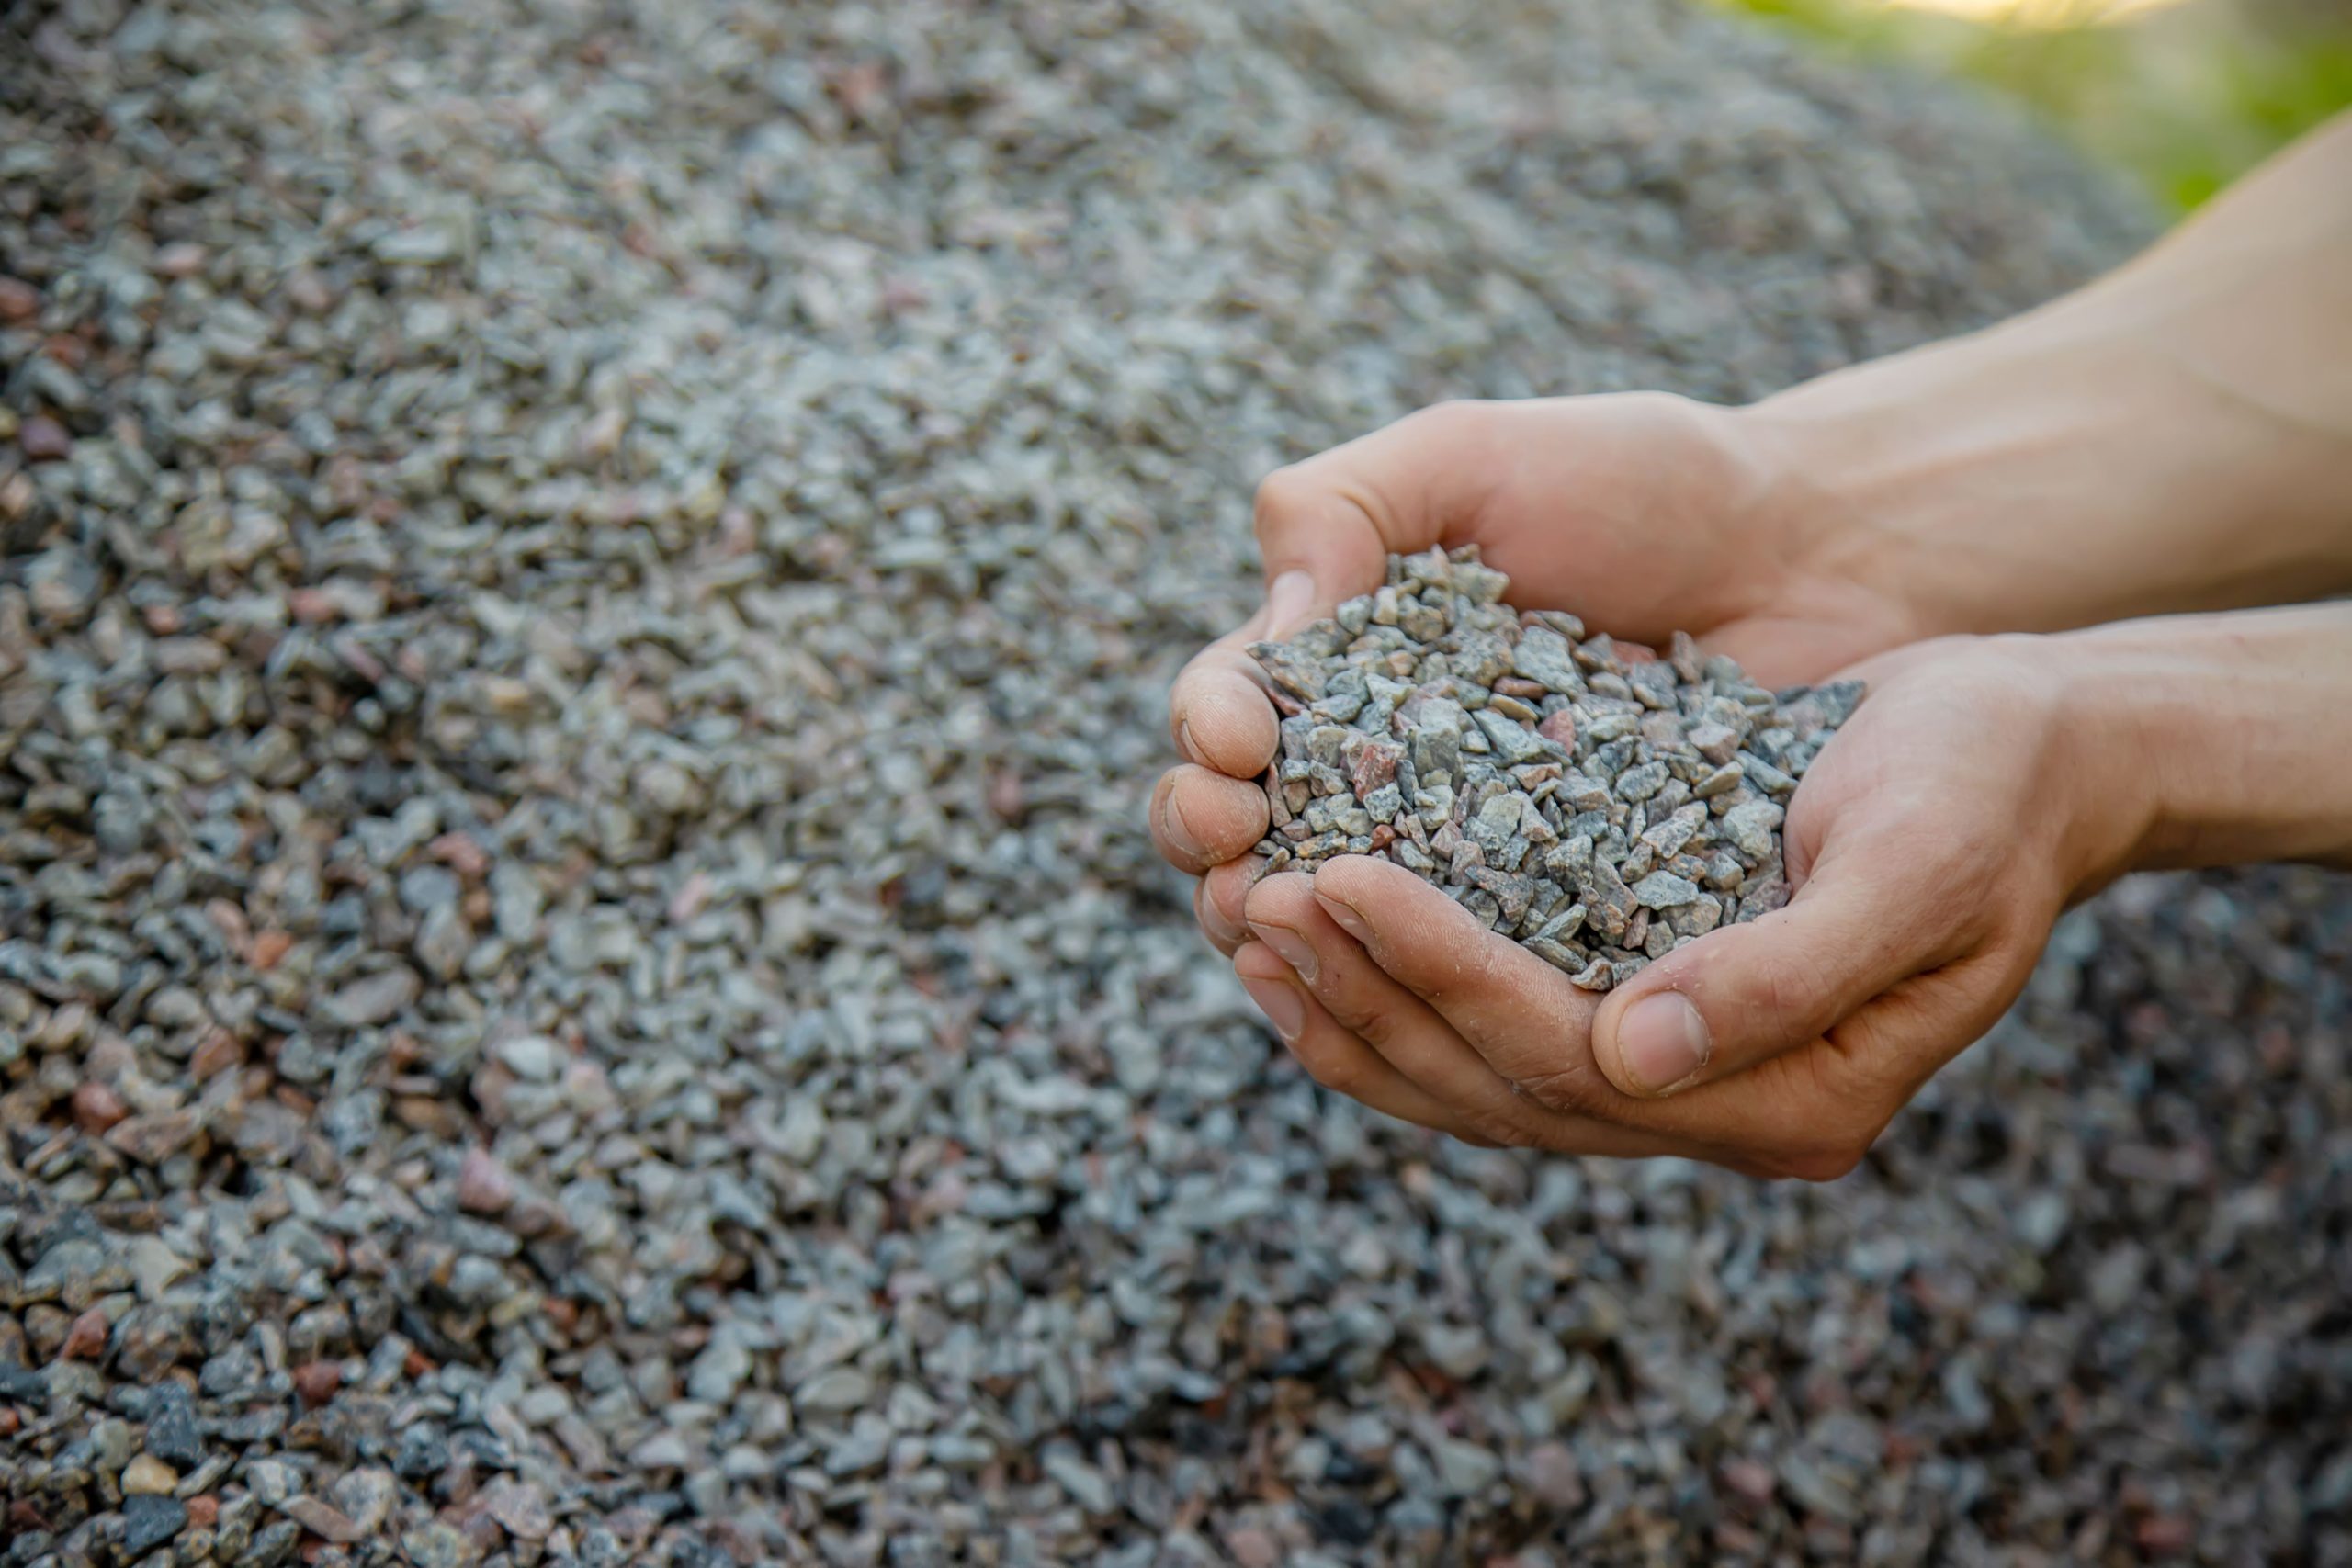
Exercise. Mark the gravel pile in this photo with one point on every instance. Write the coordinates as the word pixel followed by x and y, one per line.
pixel 582 640
pixel 1599 804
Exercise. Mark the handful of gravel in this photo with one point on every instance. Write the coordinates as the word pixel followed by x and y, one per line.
pixel 1597 802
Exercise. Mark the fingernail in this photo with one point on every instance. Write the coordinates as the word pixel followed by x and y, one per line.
pixel 1172 822
pixel 1214 919
pixel 1184 743
pixel 1287 600
pixel 1662 1040
pixel 1280 1004
pixel 1345 918
pixel 1289 946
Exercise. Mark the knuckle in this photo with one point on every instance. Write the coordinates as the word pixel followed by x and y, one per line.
pixel 1330 1063
pixel 1574 1089
pixel 1489 1132
pixel 1285 496
pixel 1819 1163
pixel 1457 424
pixel 1493 1128
pixel 1375 1026
pixel 1788 996
pixel 1449 416
pixel 1826 1152
pixel 1673 406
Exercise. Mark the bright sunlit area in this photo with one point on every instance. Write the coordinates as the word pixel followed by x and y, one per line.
pixel 2040 13
pixel 2183 95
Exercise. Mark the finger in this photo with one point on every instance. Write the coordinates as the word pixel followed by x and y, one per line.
pixel 1807 641
pixel 1219 818
pixel 1532 1028
pixel 1527 1022
pixel 1285 913
pixel 1338 516
pixel 1326 528
pixel 1332 1056
pixel 1814 1112
pixel 1860 926
pixel 1219 711
pixel 1200 818
pixel 1222 893
pixel 1223 936
pixel 1784 652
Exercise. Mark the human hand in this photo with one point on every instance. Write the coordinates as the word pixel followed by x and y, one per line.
pixel 1644 513
pixel 1932 844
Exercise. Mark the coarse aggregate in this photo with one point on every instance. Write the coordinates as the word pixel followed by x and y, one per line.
pixel 1598 804
pixel 587 601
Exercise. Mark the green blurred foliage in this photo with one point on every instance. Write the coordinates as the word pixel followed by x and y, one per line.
pixel 2186 99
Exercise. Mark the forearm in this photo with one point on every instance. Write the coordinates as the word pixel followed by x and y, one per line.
pixel 2214 740
pixel 2176 437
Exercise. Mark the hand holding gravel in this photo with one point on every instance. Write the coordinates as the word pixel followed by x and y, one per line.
pixel 1985 784
pixel 1641 507
pixel 1503 817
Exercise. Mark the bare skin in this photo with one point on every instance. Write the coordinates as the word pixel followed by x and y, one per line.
pixel 2173 441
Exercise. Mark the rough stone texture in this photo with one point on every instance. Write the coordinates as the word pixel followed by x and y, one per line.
pixel 1594 802
pixel 594 587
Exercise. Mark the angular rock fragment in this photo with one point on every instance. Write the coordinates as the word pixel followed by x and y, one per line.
pixel 1664 890
pixel 1752 829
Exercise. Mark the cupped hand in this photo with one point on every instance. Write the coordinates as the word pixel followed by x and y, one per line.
pixel 1931 845
pixel 1644 513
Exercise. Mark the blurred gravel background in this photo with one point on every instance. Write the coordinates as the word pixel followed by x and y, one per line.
pixel 587 597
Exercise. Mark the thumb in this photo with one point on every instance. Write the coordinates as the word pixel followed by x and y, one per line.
pixel 1327 527
pixel 1748 992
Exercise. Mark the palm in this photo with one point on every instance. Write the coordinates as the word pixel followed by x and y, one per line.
pixel 1930 864
pixel 1637 511
pixel 1644 513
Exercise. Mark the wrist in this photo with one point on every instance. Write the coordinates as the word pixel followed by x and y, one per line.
pixel 2205 741
pixel 2098 793
pixel 2072 467
pixel 1929 478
